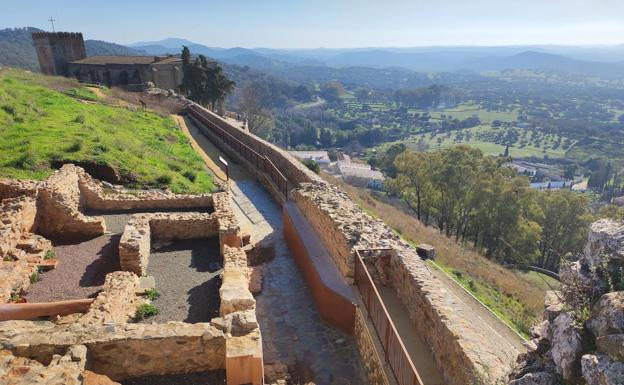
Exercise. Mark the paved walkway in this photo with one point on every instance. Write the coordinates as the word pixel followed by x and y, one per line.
pixel 292 330
pixel 416 347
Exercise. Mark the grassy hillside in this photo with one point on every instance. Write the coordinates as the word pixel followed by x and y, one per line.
pixel 47 119
pixel 517 297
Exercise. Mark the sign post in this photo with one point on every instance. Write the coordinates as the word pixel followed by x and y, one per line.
pixel 225 163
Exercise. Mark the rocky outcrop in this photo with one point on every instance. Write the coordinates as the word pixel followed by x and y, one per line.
pixel 602 370
pixel 569 346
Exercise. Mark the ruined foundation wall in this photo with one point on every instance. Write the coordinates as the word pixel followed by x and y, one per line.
pixel 97 197
pixel 122 351
pixel 17 222
pixel 117 302
pixel 59 207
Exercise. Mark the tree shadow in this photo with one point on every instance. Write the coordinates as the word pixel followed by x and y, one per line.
pixel 204 301
pixel 107 262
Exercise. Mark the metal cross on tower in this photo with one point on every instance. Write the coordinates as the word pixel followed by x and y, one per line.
pixel 52 21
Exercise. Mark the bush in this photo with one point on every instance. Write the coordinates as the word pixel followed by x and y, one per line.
pixel 152 294
pixel 35 277
pixel 79 119
pixel 75 147
pixel 190 175
pixel 312 165
pixel 9 109
pixel 26 161
pixel 163 180
pixel 50 254
pixel 145 310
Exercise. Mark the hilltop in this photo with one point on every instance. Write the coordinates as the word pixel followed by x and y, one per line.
pixel 47 121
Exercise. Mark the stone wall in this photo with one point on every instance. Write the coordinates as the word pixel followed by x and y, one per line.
pixel 292 169
pixel 97 197
pixel 454 334
pixel 456 339
pixel 13 188
pixel 234 291
pixel 59 208
pixel 117 302
pixel 135 242
pixel 377 370
pixel 122 351
pixel 20 250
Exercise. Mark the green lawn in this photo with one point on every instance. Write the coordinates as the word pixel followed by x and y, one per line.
pixel 467 110
pixel 43 119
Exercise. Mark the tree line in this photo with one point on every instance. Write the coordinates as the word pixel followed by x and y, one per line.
pixel 204 81
pixel 472 198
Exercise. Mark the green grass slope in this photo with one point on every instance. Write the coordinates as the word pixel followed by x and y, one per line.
pixel 47 119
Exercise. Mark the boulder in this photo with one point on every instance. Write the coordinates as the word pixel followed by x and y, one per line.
pixel 607 315
pixel 553 306
pixel 612 345
pixel 601 370
pixel 539 378
pixel 566 346
pixel 605 237
pixel 541 330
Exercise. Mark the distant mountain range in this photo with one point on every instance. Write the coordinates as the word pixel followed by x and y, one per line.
pixel 601 61
pixel 16 49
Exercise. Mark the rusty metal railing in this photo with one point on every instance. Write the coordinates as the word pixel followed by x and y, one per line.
pixel 397 356
pixel 261 162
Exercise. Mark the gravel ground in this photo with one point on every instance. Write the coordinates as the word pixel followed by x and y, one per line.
pixel 202 378
pixel 80 272
pixel 187 277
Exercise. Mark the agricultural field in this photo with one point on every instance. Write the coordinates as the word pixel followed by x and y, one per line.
pixel 492 141
pixel 50 120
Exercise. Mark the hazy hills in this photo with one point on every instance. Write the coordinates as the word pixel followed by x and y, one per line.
pixel 17 48
pixel 600 61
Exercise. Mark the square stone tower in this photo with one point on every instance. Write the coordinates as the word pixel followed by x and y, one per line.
pixel 56 49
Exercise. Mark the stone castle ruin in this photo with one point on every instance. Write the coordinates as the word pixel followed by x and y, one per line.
pixel 64 54
pixel 81 259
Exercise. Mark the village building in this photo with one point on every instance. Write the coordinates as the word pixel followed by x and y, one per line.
pixel 320 157
pixel 64 54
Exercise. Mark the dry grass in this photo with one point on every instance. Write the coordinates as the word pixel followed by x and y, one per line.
pixel 160 104
pixel 525 287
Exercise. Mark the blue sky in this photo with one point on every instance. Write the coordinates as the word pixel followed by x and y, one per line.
pixel 330 23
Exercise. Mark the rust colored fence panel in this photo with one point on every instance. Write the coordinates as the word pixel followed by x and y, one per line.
pixel 395 352
pixel 261 162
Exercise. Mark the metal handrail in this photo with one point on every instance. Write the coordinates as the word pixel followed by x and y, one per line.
pixel 251 155
pixel 395 352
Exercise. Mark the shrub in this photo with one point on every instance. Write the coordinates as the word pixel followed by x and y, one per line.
pixel 190 175
pixel 79 119
pixel 25 161
pixel 152 294
pixel 49 254
pixel 35 277
pixel 312 165
pixel 75 147
pixel 100 148
pixel 163 180
pixel 145 310
pixel 9 109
